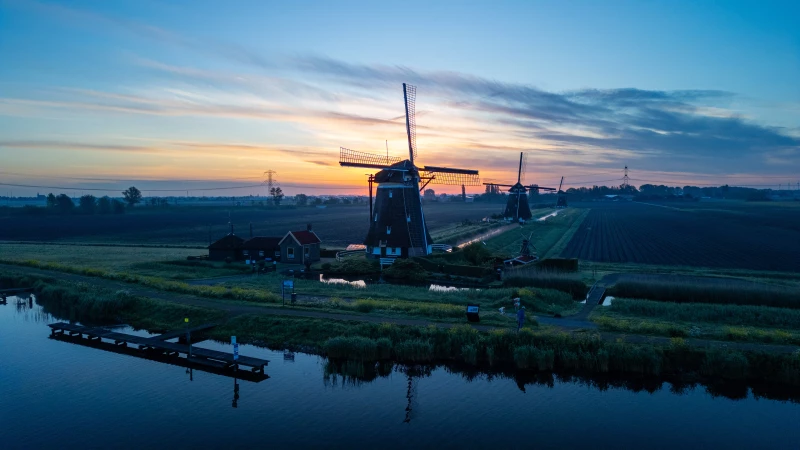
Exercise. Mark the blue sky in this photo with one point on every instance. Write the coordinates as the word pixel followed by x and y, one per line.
pixel 193 94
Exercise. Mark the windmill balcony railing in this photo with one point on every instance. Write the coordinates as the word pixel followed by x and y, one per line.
pixel 347 253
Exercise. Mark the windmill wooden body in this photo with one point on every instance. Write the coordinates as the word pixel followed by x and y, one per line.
pixel 397 226
pixel 517 208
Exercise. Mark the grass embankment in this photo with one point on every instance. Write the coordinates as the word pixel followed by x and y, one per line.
pixel 528 350
pixel 169 263
pixel 218 292
pixel 91 304
pixel 541 300
pixel 743 323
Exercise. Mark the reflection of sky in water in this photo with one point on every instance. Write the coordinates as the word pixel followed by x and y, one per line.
pixel 357 283
pixel 58 394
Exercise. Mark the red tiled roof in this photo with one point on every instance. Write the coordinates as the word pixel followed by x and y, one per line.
pixel 305 237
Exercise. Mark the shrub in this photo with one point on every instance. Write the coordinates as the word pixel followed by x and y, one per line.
pixel 734 292
pixel 353 347
pixel 568 283
pixel 405 269
pixel 726 364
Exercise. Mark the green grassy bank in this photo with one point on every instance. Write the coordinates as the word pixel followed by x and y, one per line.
pixel 532 349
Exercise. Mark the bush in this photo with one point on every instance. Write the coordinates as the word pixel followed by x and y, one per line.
pixel 405 269
pixel 735 292
pixel 354 266
pixel 570 284
pixel 476 253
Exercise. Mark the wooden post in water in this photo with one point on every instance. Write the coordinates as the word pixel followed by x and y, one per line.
pixel 188 336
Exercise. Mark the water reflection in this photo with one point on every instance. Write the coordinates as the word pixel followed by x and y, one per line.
pixel 342 281
pixel 355 374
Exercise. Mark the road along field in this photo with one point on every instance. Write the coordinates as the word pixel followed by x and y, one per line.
pixel 337 226
pixel 742 237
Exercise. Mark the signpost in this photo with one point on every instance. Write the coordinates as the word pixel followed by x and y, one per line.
pixel 235 348
pixel 287 284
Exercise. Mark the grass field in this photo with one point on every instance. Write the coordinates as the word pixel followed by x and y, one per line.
pixel 337 226
pixel 544 235
pixel 740 235
pixel 742 323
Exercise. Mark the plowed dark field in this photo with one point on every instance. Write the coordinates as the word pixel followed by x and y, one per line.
pixel 742 237
pixel 337 226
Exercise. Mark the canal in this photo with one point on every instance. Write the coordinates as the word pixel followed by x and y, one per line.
pixel 56 394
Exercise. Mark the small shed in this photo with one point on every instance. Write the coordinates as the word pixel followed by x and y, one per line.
pixel 227 247
pixel 261 248
pixel 300 247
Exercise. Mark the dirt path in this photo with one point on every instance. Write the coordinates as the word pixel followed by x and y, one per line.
pixel 574 324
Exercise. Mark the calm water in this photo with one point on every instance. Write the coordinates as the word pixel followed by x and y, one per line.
pixel 56 394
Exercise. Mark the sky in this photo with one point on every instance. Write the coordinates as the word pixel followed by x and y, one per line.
pixel 183 95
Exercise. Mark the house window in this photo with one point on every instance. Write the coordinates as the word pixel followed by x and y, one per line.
pixel 260 253
pixel 388 230
pixel 376 217
pixel 277 253
pixel 306 251
pixel 290 252
pixel 390 193
pixel 408 218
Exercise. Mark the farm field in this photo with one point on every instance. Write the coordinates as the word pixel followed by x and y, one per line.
pixel 738 236
pixel 337 226
pixel 544 235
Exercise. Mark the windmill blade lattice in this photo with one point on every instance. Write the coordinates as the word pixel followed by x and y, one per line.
pixel 410 94
pixel 355 158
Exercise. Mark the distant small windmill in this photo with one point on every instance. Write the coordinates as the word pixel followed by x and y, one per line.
pixel 397 225
pixel 562 196
pixel 517 208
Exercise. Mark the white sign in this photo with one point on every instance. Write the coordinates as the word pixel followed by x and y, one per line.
pixel 235 348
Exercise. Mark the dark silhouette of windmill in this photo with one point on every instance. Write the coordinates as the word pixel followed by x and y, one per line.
pixel 397 225
pixel 517 208
pixel 562 196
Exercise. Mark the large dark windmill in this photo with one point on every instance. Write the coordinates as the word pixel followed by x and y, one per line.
pixel 517 208
pixel 397 222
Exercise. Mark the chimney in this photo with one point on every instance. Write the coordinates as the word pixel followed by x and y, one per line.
pixel 251 229
pixel 308 227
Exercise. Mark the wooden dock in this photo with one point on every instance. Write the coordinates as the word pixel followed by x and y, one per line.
pixel 157 345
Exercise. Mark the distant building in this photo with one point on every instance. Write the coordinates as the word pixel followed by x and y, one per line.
pixel 227 247
pixel 300 247
pixel 261 248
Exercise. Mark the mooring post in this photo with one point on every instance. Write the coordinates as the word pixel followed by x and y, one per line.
pixel 188 336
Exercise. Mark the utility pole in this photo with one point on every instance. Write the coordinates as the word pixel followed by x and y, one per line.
pixel 625 179
pixel 269 181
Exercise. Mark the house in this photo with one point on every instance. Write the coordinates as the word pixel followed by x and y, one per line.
pixel 261 248
pixel 227 247
pixel 300 247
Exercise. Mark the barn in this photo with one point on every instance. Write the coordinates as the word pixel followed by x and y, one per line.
pixel 261 248
pixel 300 247
pixel 227 247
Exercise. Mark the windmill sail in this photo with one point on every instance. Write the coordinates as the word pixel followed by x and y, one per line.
pixel 410 97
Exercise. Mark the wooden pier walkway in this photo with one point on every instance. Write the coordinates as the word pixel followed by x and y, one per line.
pixel 158 344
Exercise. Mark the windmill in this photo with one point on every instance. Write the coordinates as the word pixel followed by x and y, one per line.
pixel 527 253
pixel 397 222
pixel 562 196
pixel 517 208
